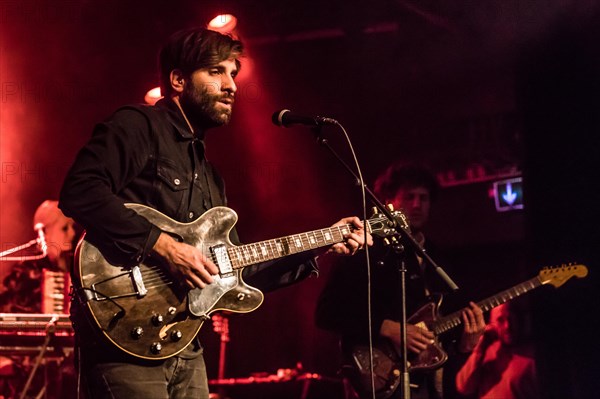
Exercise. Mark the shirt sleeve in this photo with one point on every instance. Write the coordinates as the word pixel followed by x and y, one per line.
pixel 268 276
pixel 117 152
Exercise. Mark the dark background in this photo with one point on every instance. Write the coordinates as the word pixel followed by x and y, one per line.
pixel 476 90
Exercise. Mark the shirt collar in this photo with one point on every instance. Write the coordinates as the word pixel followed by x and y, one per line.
pixel 176 118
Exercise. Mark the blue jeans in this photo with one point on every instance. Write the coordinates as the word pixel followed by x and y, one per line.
pixel 174 378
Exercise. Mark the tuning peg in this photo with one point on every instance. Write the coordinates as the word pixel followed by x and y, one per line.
pixel 375 210
pixel 390 207
pixel 386 242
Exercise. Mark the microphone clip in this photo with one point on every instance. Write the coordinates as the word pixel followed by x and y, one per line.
pixel 325 121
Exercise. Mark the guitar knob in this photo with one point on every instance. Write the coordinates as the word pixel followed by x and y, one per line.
pixel 158 319
pixel 156 348
pixel 398 247
pixel 176 335
pixel 137 332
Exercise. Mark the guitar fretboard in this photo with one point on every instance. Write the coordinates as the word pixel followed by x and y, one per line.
pixel 454 319
pixel 245 255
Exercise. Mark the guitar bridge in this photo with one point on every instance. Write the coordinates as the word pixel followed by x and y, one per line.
pixel 138 281
pixel 221 258
pixel 99 293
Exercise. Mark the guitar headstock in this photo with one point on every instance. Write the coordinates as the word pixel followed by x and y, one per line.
pixel 557 276
pixel 381 226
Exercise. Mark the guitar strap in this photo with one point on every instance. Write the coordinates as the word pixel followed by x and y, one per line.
pixel 216 192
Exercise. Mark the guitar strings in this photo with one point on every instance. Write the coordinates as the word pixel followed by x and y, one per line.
pixel 155 277
pixel 245 255
pixel 242 256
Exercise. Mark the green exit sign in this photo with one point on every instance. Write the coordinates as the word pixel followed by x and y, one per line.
pixel 508 194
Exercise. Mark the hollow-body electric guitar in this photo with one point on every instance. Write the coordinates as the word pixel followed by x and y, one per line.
pixel 386 360
pixel 148 313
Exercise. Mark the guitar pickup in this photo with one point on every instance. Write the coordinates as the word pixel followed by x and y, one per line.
pixel 221 259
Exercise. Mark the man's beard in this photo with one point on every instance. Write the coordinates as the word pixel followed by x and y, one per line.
pixel 200 107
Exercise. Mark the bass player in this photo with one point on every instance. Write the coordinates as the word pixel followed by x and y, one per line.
pixel 411 188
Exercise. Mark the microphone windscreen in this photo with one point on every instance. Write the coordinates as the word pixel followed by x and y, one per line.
pixel 277 117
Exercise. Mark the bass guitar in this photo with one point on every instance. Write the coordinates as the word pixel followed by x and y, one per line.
pixel 147 313
pixel 386 360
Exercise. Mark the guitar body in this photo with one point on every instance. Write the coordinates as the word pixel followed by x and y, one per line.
pixel 147 312
pixel 433 356
pixel 386 370
pixel 387 365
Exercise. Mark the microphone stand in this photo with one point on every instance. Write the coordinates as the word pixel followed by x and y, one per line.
pixel 50 330
pixel 4 257
pixel 404 231
pixel 221 327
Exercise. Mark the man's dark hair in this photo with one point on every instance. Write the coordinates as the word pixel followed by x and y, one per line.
pixel 401 175
pixel 189 50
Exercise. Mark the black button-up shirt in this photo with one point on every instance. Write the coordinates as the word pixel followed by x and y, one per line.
pixel 148 155
pixel 144 155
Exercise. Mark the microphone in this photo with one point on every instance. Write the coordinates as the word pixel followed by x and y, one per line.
pixel 287 118
pixel 41 240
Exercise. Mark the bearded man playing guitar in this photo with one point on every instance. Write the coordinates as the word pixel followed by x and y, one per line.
pixel 411 188
pixel 159 252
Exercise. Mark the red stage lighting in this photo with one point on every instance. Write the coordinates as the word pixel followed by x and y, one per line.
pixel 152 96
pixel 224 23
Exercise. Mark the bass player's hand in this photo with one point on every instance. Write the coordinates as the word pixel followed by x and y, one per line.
pixel 474 325
pixel 417 338
pixel 186 261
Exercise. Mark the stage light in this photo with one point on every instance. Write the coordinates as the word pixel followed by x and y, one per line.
pixel 224 23
pixel 153 96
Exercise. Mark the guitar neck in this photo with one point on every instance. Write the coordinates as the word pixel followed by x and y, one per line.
pixel 245 255
pixel 452 320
